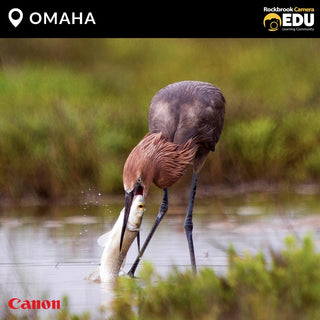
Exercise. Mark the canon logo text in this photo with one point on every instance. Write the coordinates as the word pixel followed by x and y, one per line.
pixel 16 303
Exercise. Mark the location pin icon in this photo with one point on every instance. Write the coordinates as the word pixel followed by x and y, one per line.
pixel 15 16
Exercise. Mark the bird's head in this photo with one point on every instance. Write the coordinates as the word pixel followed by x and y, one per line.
pixel 137 178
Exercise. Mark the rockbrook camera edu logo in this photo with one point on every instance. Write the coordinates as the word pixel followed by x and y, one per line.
pixel 289 19
pixel 15 16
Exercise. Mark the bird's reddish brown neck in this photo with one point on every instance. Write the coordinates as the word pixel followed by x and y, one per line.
pixel 155 159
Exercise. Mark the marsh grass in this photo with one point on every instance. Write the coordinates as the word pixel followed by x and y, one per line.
pixel 57 134
pixel 72 109
pixel 287 287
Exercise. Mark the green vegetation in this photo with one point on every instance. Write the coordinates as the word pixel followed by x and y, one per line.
pixel 286 287
pixel 71 110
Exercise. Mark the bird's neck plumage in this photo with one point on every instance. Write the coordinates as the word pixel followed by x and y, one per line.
pixel 155 159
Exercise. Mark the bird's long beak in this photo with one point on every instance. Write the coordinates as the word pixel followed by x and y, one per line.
pixel 128 202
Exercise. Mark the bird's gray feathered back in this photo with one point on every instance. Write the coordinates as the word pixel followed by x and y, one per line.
pixel 188 109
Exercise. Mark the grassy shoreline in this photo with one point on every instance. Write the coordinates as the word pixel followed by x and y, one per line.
pixel 71 110
pixel 284 286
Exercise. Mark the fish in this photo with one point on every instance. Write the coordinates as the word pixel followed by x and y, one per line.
pixel 112 258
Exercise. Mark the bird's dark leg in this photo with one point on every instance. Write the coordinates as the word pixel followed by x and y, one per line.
pixel 162 211
pixel 188 225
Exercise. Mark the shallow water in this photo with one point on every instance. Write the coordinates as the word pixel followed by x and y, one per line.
pixel 49 252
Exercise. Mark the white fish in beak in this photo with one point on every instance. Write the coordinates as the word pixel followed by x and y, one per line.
pixel 112 258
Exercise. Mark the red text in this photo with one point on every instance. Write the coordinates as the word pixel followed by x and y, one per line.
pixel 16 303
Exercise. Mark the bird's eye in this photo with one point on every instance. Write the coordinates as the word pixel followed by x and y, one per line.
pixel 139 180
pixel 141 206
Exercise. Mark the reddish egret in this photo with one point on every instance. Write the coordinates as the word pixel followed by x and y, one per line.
pixel 185 123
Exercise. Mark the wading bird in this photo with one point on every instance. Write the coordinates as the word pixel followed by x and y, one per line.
pixel 185 122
